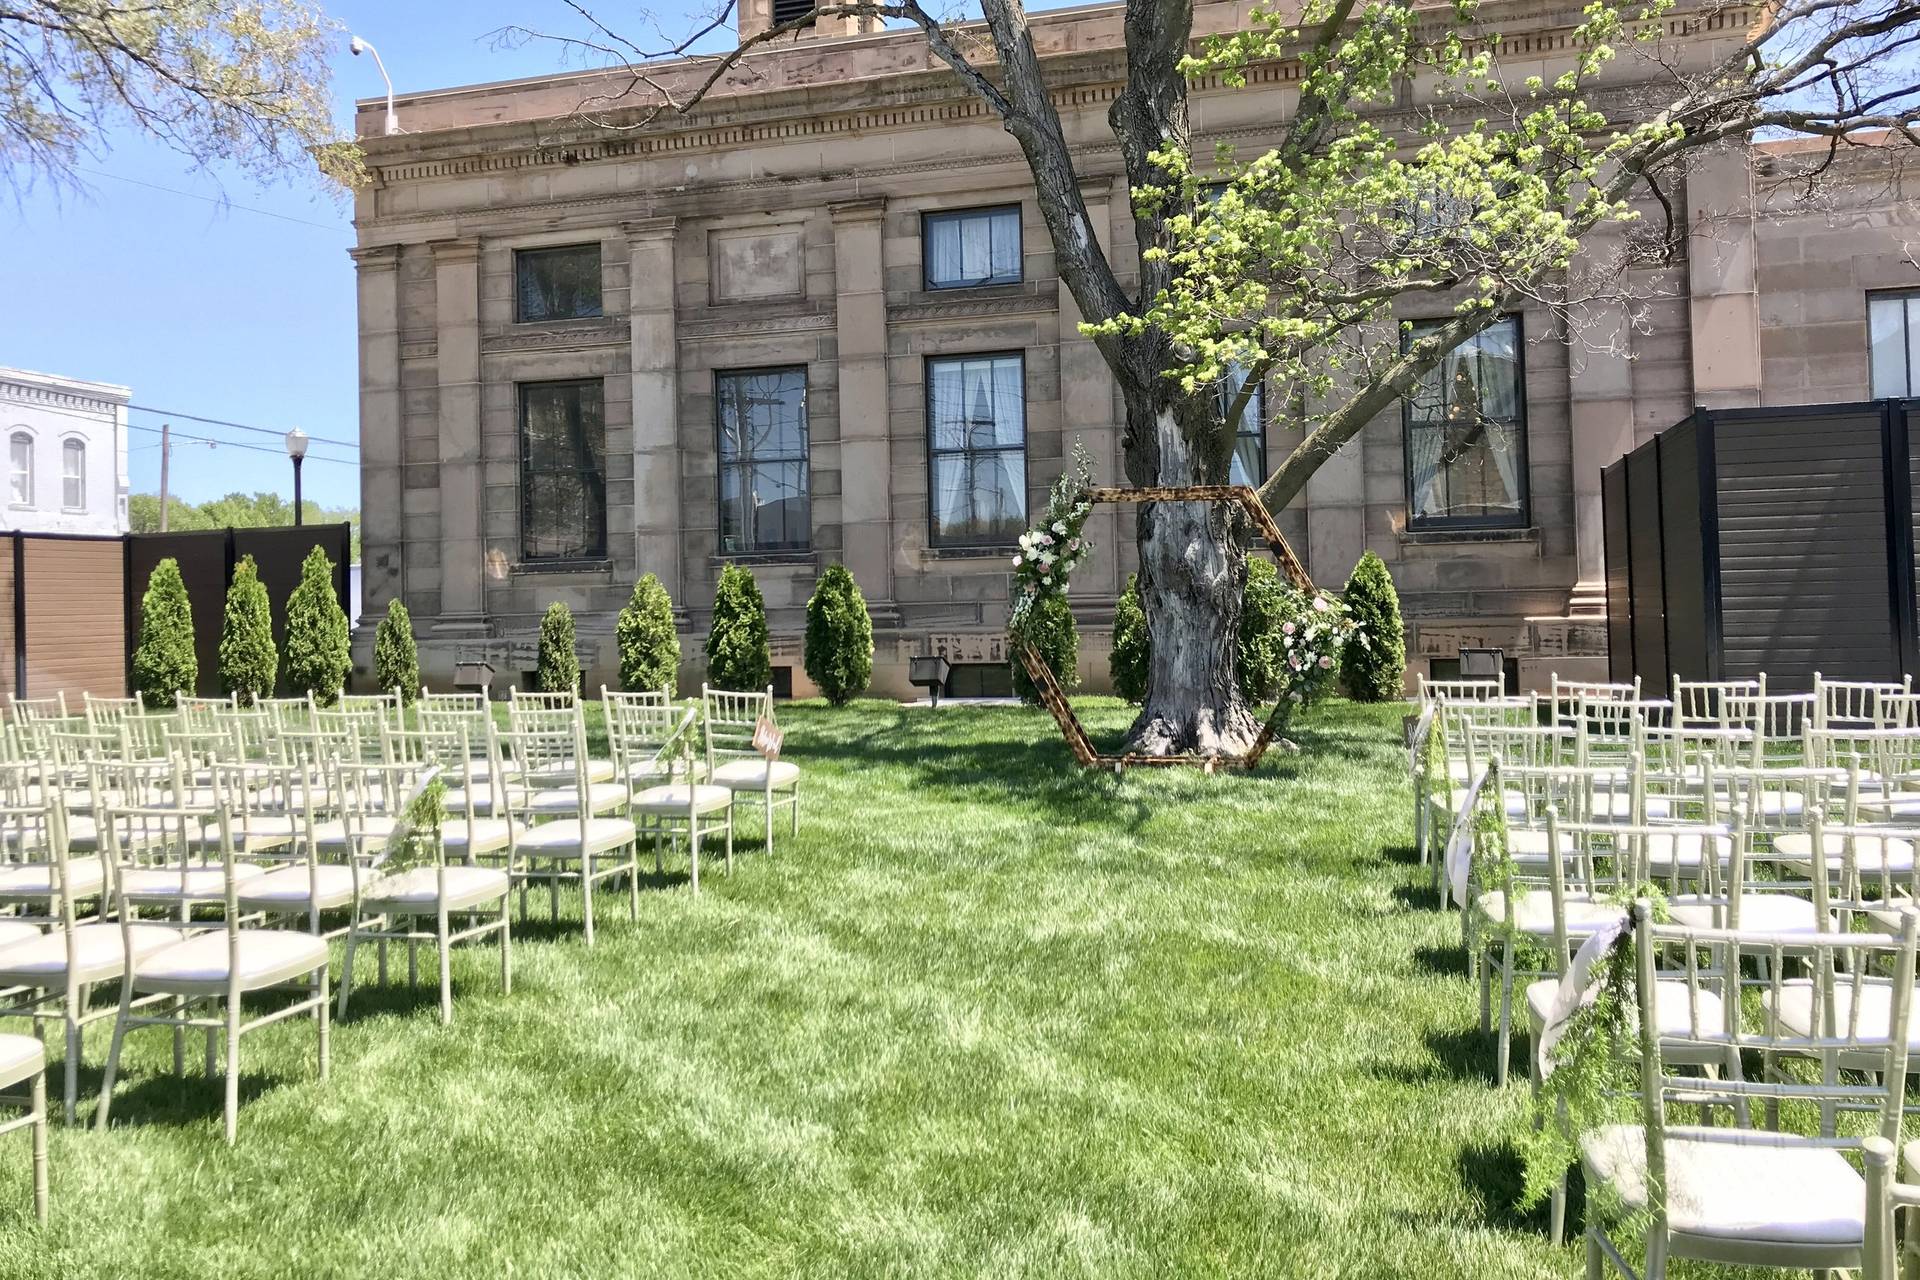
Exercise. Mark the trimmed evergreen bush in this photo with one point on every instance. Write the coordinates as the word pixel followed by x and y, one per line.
pixel 396 659
pixel 1132 648
pixel 1049 628
pixel 839 655
pixel 1263 652
pixel 164 662
pixel 559 670
pixel 737 654
pixel 1374 665
pixel 319 649
pixel 649 646
pixel 248 660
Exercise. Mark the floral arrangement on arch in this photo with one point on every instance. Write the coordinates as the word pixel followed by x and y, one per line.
pixel 1053 548
pixel 1314 631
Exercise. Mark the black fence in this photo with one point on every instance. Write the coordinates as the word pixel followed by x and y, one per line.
pixel 1777 540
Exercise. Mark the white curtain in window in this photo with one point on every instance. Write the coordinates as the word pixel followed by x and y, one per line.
pixel 73 475
pixel 20 455
pixel 1887 332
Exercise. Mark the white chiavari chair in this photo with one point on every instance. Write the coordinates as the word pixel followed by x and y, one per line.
pixel 737 758
pixel 563 840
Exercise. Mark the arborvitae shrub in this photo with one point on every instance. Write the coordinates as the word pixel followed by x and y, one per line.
pixel 649 646
pixel 1374 665
pixel 1263 651
pixel 737 654
pixel 319 648
pixel 396 659
pixel 839 655
pixel 1050 630
pixel 164 663
pixel 1132 650
pixel 559 670
pixel 248 660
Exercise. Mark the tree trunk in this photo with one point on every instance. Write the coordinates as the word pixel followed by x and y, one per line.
pixel 1193 571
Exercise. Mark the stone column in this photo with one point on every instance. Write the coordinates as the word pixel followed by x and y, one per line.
pixel 866 447
pixel 656 402
pixel 456 267
pixel 378 286
pixel 1600 391
pixel 1720 277
pixel 1087 412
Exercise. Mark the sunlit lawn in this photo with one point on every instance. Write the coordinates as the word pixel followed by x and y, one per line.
pixel 987 1016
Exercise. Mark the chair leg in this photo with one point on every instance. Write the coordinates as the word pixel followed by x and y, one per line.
pixel 445 947
pixel 795 830
pixel 633 880
pixel 506 944
pixel 1504 1050
pixel 73 1068
pixel 766 808
pixel 323 1011
pixel 233 1068
pixel 586 893
pixel 346 970
pixel 40 1146
pixel 113 1056
pixel 1596 1257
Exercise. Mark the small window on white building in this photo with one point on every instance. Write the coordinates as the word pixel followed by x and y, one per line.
pixel 1893 328
pixel 20 461
pixel 73 475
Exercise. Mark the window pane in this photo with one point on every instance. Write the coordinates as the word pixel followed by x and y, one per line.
pixel 557 284
pixel 763 453
pixel 73 475
pixel 978 246
pixel 1887 332
pixel 563 448
pixel 763 414
pixel 21 450
pixel 1465 427
pixel 1913 347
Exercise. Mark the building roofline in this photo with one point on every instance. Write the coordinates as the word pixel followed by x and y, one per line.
pixel 108 392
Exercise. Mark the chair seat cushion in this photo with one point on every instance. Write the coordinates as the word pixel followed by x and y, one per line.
pixel 602 797
pixel 562 837
pixel 1795 1014
pixel 35 879
pixel 259 830
pixel 199 965
pixel 1870 853
pixel 551 772
pixel 326 885
pixel 1617 806
pixel 21 1058
pixel 483 835
pixel 1673 1008
pixel 370 833
pixel 1529 844
pixel 752 775
pixel 1533 913
pixel 1759 912
pixel 1668 850
pixel 456 798
pixel 1785 1194
pixel 12 931
pixel 682 798
pixel 419 887
pixel 147 884
pixel 97 953
pixel 651 771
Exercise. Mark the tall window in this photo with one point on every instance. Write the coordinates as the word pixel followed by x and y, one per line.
pixel 73 475
pixel 971 247
pixel 563 471
pixel 556 284
pixel 1893 324
pixel 1466 429
pixel 763 460
pixel 1249 464
pixel 977 435
pixel 20 459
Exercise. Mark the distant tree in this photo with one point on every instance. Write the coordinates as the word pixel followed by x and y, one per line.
pixel 248 660
pixel 648 643
pixel 164 662
pixel 235 510
pixel 1132 647
pixel 737 652
pixel 839 653
pixel 1373 666
pixel 559 663
pixel 396 659
pixel 245 85
pixel 1051 631
pixel 319 647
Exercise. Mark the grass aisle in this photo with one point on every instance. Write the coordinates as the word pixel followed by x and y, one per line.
pixel 987 1015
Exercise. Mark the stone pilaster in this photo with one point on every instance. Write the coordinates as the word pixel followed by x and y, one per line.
pixel 866 447
pixel 456 267
pixel 656 402
pixel 1725 301
pixel 381 534
pixel 1600 390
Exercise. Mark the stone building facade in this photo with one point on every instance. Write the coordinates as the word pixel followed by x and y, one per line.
pixel 818 320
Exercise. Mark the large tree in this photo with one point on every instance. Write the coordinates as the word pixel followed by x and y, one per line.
pixel 242 83
pixel 1413 164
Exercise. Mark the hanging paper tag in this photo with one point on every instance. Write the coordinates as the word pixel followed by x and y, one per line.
pixel 766 737
pixel 1576 989
pixel 1418 746
pixel 1460 842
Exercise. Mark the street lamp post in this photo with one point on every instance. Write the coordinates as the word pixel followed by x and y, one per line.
pixel 297 450
pixel 357 46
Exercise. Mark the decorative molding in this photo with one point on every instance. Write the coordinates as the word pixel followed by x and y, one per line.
pixel 747 326
pixel 376 257
pixel 587 336
pixel 660 228
pixel 973 308
pixel 420 349
pixel 871 209
pixel 458 251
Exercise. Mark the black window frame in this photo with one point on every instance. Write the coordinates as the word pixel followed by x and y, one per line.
pixel 989 543
pixel 589 554
pixel 930 217
pixel 520 256
pixel 1255 413
pixel 1911 379
pixel 721 464
pixel 1440 524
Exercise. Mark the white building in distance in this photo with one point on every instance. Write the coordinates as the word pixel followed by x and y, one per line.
pixel 66 454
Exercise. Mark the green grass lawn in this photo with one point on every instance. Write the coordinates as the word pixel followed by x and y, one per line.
pixel 988 1015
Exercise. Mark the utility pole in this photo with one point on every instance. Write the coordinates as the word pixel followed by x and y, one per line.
pixel 166 448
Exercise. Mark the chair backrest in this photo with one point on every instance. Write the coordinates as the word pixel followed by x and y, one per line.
pixel 27 709
pixel 1460 690
pixel 287 713
pixel 1702 704
pixel 552 699
pixel 107 713
pixel 549 749
pixel 203 714
pixel 731 719
pixel 470 702
pixel 38 830
pixel 1854 703
pixel 638 726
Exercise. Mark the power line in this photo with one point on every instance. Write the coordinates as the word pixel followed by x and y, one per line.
pixel 213 200
pixel 235 444
pixel 238 426
pixel 231 444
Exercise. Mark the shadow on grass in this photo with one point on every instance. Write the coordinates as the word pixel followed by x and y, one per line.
pixel 1405 855
pixel 1445 962
pixel 1416 897
pixel 194 1098
pixel 1496 1176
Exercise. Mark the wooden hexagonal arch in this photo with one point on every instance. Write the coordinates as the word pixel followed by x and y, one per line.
pixel 1054 698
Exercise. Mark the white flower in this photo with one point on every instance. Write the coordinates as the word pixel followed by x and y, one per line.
pixel 1060 528
pixel 1325 663
pixel 1046 582
pixel 1046 559
pixel 1319 604
pixel 1016 562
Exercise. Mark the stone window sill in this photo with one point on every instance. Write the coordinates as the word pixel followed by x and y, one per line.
pixel 770 558
pixel 1003 552
pixel 563 566
pixel 1449 537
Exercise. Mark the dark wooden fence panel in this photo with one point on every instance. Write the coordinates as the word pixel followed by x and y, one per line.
pixel 204 567
pixel 279 553
pixel 1613 505
pixel 1683 552
pixel 1646 563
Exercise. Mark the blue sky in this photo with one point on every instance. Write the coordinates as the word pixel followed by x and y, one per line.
pixel 223 312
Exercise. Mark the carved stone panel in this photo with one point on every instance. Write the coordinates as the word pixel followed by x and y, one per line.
pixel 756 264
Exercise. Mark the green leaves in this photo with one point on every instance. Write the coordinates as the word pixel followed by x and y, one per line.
pixel 319 652
pixel 396 659
pixel 839 652
pixel 1374 668
pixel 248 659
pixel 558 668
pixel 648 641
pixel 737 654
pixel 164 662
